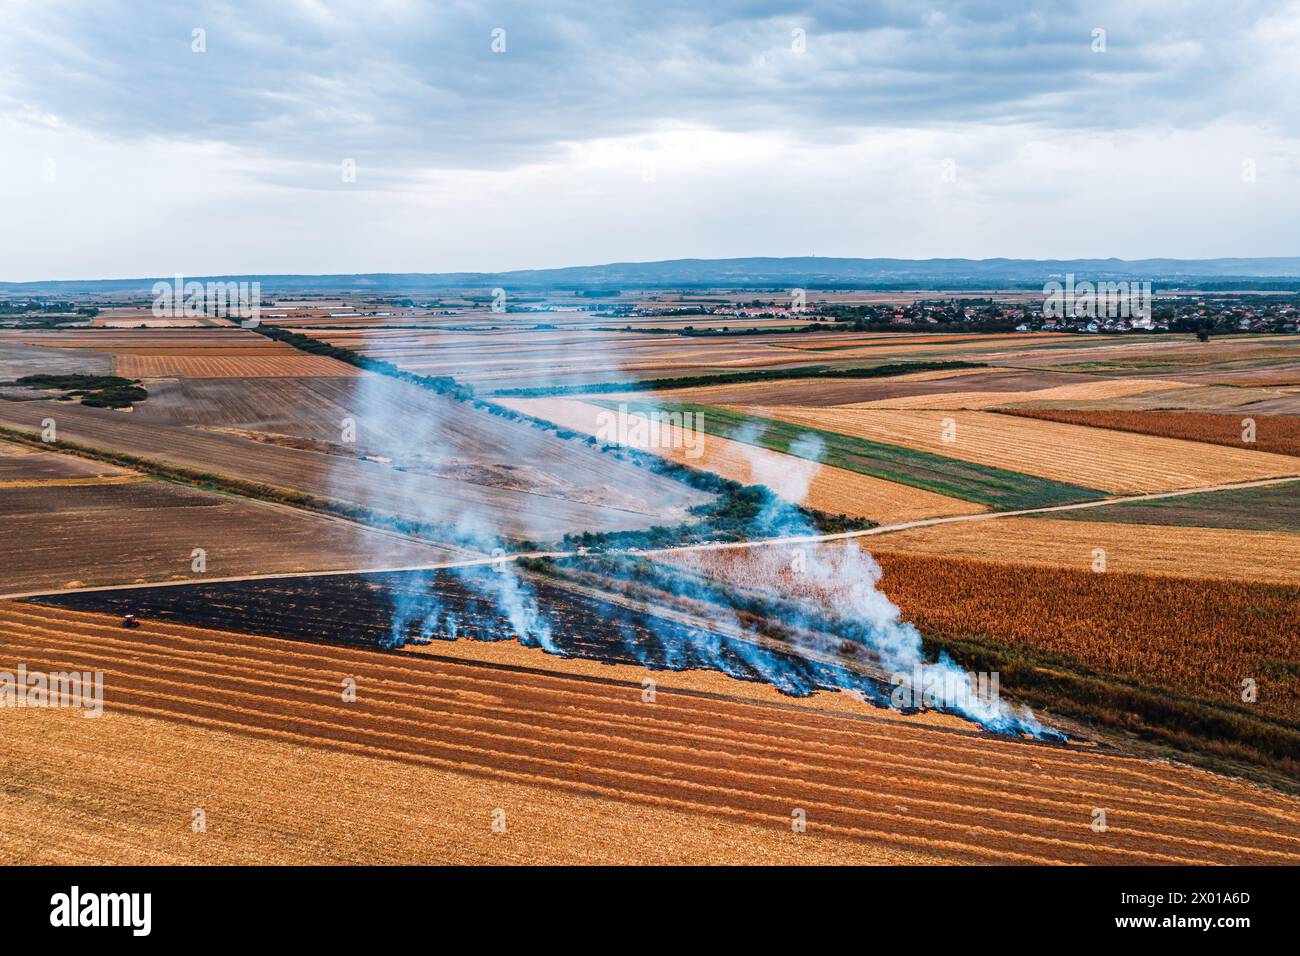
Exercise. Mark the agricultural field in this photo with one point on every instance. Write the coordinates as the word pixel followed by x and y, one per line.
pixel 796 432
pixel 1118 462
pixel 292 365
pixel 522 481
pixel 1275 434
pixel 490 738
pixel 824 487
pixel 1153 658
pixel 508 357
pixel 1129 547
pixel 1085 391
pixel 25 467
pixel 167 350
pixel 1263 361
pixel 19 356
pixel 73 523
pixel 1272 507
pixel 520 686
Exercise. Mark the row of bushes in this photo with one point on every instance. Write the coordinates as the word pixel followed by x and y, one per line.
pixel 97 391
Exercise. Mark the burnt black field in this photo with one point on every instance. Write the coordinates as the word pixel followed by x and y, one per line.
pixel 386 610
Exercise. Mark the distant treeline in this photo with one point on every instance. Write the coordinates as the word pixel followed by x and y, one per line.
pixel 736 378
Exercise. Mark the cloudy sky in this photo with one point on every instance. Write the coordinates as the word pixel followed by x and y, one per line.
pixel 152 137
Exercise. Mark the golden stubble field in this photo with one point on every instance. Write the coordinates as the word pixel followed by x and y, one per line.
pixel 1120 462
pixel 587 769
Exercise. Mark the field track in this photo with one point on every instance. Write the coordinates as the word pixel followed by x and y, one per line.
pixel 708 546
pixel 959 796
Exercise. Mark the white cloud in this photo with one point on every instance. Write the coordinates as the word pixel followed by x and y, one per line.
pixel 615 132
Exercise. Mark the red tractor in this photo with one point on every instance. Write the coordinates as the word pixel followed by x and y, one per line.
pixel 130 621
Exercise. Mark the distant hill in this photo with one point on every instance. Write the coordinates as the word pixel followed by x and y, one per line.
pixel 813 272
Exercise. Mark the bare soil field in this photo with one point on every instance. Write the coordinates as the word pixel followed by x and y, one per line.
pixel 879 783
pixel 20 464
pixel 160 341
pixel 1214 553
pixel 59 536
pixel 1268 508
pixel 1116 461
pixel 829 489
pixel 1275 434
pixel 19 357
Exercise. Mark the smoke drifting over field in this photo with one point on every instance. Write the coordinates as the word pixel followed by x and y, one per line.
pixel 422 442
pixel 839 577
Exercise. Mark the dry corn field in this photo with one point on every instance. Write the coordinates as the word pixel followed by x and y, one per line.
pixel 829 489
pixel 1119 462
pixel 1276 434
pixel 1264 556
pixel 1192 637
pixel 872 787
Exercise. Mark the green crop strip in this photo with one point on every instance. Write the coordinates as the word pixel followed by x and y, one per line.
pixel 996 488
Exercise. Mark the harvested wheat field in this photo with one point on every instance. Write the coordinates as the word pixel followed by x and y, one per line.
pixel 1271 557
pixel 1094 390
pixel 122 791
pixel 829 489
pixel 877 784
pixel 231 366
pixel 1115 461
pixel 1276 434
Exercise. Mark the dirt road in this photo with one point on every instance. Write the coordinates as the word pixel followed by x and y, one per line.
pixel 709 546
